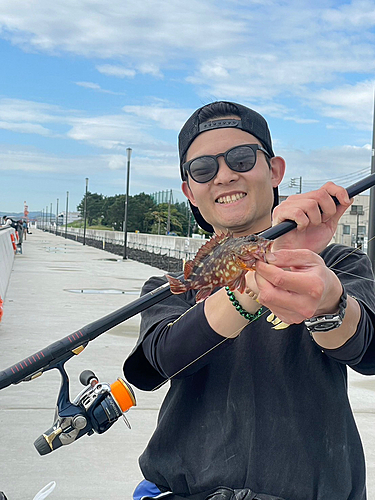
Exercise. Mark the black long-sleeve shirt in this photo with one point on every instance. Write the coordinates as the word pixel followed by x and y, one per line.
pixel 267 410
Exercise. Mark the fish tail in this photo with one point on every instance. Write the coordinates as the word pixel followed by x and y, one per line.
pixel 176 285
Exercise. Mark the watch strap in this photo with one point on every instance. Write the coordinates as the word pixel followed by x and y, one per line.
pixel 328 322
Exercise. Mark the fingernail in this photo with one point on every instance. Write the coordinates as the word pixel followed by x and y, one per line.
pixel 271 257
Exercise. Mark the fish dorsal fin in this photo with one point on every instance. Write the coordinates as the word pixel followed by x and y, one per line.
pixel 209 247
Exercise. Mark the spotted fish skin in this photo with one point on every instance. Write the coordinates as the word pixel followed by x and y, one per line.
pixel 222 261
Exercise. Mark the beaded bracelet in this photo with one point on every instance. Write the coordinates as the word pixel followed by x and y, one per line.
pixel 243 312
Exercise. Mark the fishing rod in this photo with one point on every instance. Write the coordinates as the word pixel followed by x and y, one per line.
pixel 99 405
pixel 72 345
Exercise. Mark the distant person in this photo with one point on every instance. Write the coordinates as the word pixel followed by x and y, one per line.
pixel 24 229
pixel 7 221
pixel 19 229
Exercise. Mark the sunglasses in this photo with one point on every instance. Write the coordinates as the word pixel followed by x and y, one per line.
pixel 239 159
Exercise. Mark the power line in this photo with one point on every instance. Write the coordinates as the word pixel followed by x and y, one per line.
pixel 356 173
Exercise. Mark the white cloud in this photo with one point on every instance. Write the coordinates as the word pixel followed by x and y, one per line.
pixel 88 85
pixel 349 103
pixel 19 110
pixel 167 117
pixel 118 71
pixel 357 15
pixel 25 128
pixel 256 51
pixel 117 162
pixel 150 69
pixel 97 87
pixel 147 30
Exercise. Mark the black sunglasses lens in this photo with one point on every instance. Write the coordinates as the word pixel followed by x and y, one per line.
pixel 241 158
pixel 203 169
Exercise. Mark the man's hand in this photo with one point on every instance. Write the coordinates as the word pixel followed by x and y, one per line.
pixel 316 215
pixel 296 284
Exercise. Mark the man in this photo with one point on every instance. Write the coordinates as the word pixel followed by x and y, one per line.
pixel 7 221
pixel 254 412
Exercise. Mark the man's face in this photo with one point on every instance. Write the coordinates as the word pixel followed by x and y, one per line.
pixel 238 202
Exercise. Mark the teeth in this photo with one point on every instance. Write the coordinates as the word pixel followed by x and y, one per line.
pixel 230 199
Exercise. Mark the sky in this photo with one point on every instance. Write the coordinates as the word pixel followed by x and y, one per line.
pixel 83 80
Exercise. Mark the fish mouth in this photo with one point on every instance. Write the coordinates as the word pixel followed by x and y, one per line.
pixel 230 198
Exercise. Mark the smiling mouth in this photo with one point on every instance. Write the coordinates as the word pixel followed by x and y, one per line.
pixel 224 200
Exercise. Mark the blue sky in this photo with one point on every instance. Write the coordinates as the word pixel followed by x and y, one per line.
pixel 83 80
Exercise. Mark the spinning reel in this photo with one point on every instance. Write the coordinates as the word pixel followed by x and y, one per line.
pixel 96 408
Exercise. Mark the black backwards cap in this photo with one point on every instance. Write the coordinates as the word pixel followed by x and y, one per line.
pixel 250 121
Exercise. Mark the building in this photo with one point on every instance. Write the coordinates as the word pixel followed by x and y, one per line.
pixel 352 229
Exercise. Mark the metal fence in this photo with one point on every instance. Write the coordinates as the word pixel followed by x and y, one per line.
pixel 167 259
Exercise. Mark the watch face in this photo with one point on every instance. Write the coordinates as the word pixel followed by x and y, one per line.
pixel 326 326
pixel 323 323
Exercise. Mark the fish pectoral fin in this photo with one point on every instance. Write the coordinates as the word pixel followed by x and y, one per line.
pixel 203 293
pixel 176 285
pixel 238 284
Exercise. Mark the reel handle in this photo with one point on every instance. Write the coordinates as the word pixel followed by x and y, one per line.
pixel 87 376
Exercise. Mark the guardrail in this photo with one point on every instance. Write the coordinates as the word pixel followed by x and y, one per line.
pixel 164 252
pixel 7 252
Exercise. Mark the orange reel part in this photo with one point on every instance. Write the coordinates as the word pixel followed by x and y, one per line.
pixel 123 394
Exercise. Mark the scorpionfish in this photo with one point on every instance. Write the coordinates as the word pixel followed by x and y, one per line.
pixel 222 261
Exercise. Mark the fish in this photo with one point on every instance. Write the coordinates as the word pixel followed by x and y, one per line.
pixel 222 261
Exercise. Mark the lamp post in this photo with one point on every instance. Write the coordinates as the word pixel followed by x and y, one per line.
pixel 129 152
pixel 85 212
pixel 66 214
pixel 57 214
pixel 371 217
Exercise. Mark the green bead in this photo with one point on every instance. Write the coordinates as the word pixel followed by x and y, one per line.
pixel 243 312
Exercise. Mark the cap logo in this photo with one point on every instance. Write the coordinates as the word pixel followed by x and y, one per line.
pixel 219 124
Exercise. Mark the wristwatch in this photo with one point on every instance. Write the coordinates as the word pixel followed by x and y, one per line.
pixel 328 322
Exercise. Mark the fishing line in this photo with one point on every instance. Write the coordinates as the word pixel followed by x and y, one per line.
pixel 233 335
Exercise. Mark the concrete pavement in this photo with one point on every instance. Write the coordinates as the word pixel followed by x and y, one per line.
pixel 40 308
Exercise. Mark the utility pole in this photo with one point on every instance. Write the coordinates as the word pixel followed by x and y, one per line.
pixel 371 216
pixel 293 183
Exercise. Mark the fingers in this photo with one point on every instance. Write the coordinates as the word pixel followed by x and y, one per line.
pixel 288 306
pixel 294 258
pixel 293 294
pixel 314 207
pixel 272 279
